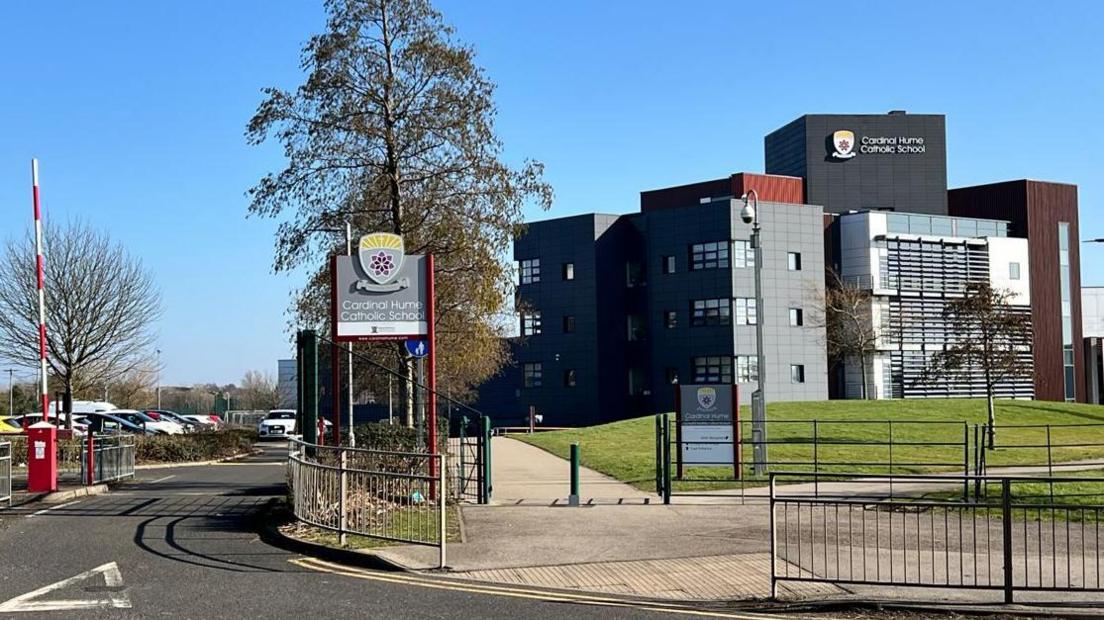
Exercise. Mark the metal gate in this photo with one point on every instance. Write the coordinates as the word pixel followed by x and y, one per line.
pixel 112 458
pixel 470 462
pixel 5 472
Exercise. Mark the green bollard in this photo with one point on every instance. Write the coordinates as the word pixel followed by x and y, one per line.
pixel 573 499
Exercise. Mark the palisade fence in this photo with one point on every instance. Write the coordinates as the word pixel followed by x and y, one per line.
pixel 390 495
pixel 6 472
pixel 1028 535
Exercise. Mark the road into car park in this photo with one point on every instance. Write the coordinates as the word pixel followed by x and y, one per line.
pixel 183 542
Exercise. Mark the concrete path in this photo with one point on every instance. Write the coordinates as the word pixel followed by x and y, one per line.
pixel 527 475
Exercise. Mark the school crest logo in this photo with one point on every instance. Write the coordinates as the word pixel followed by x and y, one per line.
pixel 707 397
pixel 381 257
pixel 844 141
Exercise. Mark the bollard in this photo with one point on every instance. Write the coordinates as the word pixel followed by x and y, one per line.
pixel 573 499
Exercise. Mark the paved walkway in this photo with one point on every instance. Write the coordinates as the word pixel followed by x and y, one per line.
pixel 526 475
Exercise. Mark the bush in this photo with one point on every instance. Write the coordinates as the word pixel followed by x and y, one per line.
pixel 203 446
pixel 396 437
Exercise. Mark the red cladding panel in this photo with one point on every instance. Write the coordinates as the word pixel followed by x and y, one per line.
pixel 770 187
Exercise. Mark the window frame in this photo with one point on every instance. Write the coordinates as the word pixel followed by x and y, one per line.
pixel 793 261
pixel 799 315
pixel 529 271
pixel 531 324
pixel 567 271
pixel 710 255
pixel 532 374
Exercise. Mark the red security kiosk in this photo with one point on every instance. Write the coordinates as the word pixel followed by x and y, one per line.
pixel 42 474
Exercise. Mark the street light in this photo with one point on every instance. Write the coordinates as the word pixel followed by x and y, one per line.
pixel 158 380
pixel 11 393
pixel 750 215
pixel 348 230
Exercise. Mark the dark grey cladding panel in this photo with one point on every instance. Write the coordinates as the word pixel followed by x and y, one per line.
pixel 896 161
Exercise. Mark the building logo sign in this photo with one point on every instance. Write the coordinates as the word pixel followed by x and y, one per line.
pixel 381 257
pixel 844 142
pixel 843 145
pixel 708 425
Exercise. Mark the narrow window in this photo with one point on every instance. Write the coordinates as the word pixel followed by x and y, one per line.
pixel 569 271
pixel 569 377
pixel 671 375
pixel 668 263
pixel 797 317
pixel 797 373
pixel 794 259
pixel 1013 271
pixel 670 319
pixel 568 324
pixel 532 373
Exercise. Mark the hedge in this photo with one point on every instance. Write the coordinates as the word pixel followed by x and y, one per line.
pixel 202 446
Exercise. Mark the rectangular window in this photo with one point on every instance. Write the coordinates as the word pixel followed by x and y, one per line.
pixel 532 373
pixel 569 377
pixel 1066 308
pixel 710 312
pixel 1013 271
pixel 713 255
pixel 635 325
pixel 668 264
pixel 742 254
pixel 794 259
pixel 670 319
pixel 712 369
pixel 797 373
pixel 568 324
pixel 530 323
pixel 745 311
pixel 747 368
pixel 634 274
pixel 569 271
pixel 530 271
pixel 797 317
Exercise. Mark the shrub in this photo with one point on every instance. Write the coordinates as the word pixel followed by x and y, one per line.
pixel 203 446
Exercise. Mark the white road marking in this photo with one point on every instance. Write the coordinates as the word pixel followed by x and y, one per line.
pixel 45 510
pixel 112 579
pixel 161 479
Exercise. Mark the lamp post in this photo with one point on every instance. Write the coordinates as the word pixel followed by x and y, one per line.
pixel 11 392
pixel 158 380
pixel 348 230
pixel 750 215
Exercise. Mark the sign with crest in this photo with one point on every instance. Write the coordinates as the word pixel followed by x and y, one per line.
pixel 708 425
pixel 381 293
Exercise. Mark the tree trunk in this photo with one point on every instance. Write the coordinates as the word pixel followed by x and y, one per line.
pixel 862 375
pixel 992 420
pixel 67 405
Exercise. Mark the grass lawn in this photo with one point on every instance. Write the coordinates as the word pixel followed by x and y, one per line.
pixel 928 436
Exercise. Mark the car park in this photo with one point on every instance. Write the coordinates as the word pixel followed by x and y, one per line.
pixel 278 423
pixel 190 426
pixel 207 422
pixel 138 418
pixel 110 423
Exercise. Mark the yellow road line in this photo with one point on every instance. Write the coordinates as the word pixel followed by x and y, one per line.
pixel 444 583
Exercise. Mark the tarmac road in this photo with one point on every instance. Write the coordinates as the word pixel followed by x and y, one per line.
pixel 180 542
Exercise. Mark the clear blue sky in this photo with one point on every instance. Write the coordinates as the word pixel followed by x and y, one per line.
pixel 136 110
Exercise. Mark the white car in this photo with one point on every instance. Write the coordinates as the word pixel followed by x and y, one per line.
pixel 279 423
pixel 133 416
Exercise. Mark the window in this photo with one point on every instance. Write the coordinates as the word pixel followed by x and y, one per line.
pixel 530 271
pixel 532 374
pixel 569 271
pixel 1066 309
pixel 670 374
pixel 1013 271
pixel 568 324
pixel 530 323
pixel 713 255
pixel 668 264
pixel 742 254
pixel 636 382
pixel 569 377
pixel 710 312
pixel 747 368
pixel 712 369
pixel 634 274
pixel 745 311
pixel 797 373
pixel 670 319
pixel 794 259
pixel 797 317
pixel 635 325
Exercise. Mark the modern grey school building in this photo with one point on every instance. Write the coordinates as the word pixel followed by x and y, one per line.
pixel 614 309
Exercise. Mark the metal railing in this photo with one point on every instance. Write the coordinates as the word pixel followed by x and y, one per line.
pixel 915 531
pixel 113 457
pixel 381 494
pixel 5 472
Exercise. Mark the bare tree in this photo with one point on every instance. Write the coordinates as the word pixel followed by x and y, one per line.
pixel 986 334
pixel 134 389
pixel 849 329
pixel 100 306
pixel 258 391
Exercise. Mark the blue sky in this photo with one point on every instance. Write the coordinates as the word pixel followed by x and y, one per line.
pixel 136 111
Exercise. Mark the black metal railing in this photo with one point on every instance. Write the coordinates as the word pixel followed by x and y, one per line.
pixel 917 531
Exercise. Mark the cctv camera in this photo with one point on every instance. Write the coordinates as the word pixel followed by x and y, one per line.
pixel 747 214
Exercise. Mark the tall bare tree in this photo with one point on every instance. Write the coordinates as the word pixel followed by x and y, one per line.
pixel 986 334
pixel 258 391
pixel 100 307
pixel 849 329
pixel 393 130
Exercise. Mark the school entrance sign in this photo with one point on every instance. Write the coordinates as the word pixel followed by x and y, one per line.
pixel 708 426
pixel 381 293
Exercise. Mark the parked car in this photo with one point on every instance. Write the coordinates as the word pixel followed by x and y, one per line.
pixel 80 425
pixel 110 423
pixel 138 418
pixel 278 423
pixel 190 426
pixel 207 422
pixel 10 424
